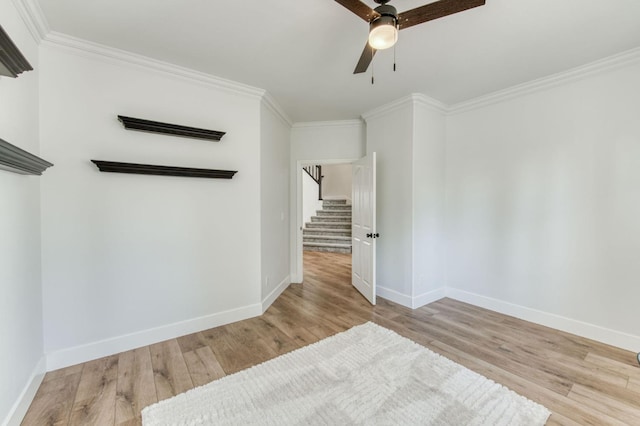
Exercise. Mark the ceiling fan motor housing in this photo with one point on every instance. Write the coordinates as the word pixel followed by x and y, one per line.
pixel 383 30
pixel 386 10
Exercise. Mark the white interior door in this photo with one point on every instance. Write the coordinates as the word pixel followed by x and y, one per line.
pixel 363 227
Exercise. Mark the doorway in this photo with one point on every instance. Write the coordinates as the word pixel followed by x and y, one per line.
pixel 308 204
pixel 336 204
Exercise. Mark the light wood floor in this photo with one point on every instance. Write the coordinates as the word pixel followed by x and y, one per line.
pixel 581 381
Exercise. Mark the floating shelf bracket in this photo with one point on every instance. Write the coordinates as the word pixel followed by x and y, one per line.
pixel 12 62
pixel 130 123
pixel 16 160
pixel 148 169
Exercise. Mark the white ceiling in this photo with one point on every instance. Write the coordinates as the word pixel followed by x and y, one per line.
pixel 303 51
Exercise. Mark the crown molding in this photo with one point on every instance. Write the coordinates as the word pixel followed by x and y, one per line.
pixel 33 18
pixel 610 63
pixel 273 106
pixel 412 99
pixel 434 104
pixel 91 49
pixel 388 107
pixel 335 123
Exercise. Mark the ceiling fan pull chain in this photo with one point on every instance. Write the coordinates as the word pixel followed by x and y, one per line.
pixel 372 79
pixel 394 58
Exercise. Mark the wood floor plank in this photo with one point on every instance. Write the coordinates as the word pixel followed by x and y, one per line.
pixel 234 352
pixel 559 420
pixel 630 370
pixel 633 385
pixel 581 381
pixel 170 372
pixel 136 387
pixel 256 329
pixel 96 395
pixel 54 400
pixel 191 342
pixel 203 366
pixel 605 404
pixel 63 372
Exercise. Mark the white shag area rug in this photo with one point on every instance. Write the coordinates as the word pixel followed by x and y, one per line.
pixel 366 375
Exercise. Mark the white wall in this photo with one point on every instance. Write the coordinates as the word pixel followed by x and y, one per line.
pixel 428 203
pixel 274 203
pixel 543 201
pixel 390 135
pixel 131 259
pixel 21 350
pixel 336 183
pixel 318 143
pixel 409 137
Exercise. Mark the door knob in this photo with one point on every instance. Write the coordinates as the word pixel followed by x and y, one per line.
pixel 370 235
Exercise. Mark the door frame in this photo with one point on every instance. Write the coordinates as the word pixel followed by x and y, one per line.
pixel 297 267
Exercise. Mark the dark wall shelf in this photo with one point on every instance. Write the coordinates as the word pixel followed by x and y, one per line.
pixel 12 62
pixel 19 161
pixel 148 169
pixel 169 129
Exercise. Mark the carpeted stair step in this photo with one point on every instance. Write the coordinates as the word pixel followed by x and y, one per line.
pixel 329 225
pixel 327 247
pixel 344 219
pixel 343 207
pixel 327 232
pixel 334 239
pixel 327 203
pixel 334 212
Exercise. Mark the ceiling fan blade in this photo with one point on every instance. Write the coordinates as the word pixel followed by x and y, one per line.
pixel 360 9
pixel 435 10
pixel 365 59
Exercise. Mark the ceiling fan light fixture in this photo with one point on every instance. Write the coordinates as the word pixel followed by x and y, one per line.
pixel 383 32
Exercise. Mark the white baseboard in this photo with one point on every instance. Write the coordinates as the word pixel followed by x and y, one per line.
pixel 409 301
pixel 271 297
pixel 394 296
pixel 428 297
pixel 20 407
pixel 78 354
pixel 580 328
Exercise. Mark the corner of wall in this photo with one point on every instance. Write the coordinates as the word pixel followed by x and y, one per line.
pixel 21 406
pixel 412 302
pixel 275 293
pixel 33 18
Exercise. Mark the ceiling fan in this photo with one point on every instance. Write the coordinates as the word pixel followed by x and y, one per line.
pixel 384 22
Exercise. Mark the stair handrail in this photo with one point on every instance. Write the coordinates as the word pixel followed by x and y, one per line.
pixel 315 172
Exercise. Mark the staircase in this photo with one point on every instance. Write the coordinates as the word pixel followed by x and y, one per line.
pixel 330 230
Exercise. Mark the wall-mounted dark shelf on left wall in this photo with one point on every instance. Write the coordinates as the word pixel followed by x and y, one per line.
pixel 131 123
pixel 148 169
pixel 12 62
pixel 16 160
